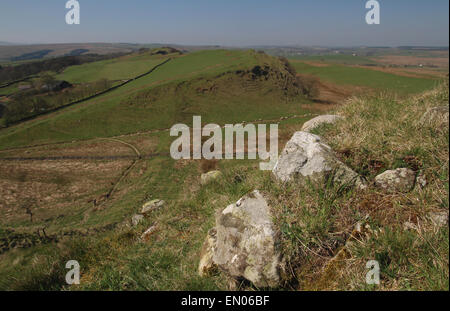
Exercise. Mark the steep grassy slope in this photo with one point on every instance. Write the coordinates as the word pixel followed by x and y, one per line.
pixel 119 112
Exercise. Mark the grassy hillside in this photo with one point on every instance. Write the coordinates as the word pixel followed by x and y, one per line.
pixel 123 68
pixel 133 108
pixel 221 86
pixel 378 134
pixel 93 165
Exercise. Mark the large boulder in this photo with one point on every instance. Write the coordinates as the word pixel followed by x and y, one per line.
pixel 246 243
pixel 306 156
pixel 317 121
pixel 399 180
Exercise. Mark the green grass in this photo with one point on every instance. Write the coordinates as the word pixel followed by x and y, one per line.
pixel 9 89
pixel 381 133
pixel 344 75
pixel 119 112
pixel 312 219
pixel 116 260
pixel 122 68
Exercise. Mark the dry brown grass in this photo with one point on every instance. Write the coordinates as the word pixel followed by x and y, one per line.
pixel 62 187
pixel 378 133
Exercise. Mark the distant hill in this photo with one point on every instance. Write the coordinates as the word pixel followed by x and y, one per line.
pixel 25 52
pixel 15 52
pixel 33 55
pixel 5 43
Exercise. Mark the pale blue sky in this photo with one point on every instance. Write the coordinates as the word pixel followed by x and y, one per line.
pixel 228 22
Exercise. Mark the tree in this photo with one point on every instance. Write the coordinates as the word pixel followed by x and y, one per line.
pixel 47 81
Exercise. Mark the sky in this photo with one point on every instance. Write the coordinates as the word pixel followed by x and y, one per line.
pixel 228 22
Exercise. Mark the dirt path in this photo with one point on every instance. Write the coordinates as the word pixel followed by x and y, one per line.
pixel 99 202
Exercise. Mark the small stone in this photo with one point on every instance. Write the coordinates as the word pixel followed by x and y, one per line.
pixel 136 219
pixel 151 206
pixel 421 180
pixel 399 180
pixel 409 226
pixel 210 176
pixel 146 235
pixel 440 219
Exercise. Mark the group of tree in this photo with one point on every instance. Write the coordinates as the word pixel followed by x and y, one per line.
pixel 21 71
pixel 38 100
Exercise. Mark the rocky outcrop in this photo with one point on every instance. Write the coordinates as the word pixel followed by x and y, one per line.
pixel 306 156
pixel 316 122
pixel 399 180
pixel 210 176
pixel 152 205
pixel 245 244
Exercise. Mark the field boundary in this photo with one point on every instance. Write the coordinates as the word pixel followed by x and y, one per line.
pixel 16 81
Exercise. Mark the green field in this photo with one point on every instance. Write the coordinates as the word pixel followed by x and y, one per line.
pixel 122 68
pixel 335 59
pixel 9 89
pixel 380 81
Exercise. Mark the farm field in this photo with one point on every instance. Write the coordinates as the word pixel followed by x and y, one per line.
pixel 344 59
pixel 122 68
pixel 365 77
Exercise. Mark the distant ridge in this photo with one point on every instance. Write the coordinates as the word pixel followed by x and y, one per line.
pixel 7 43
